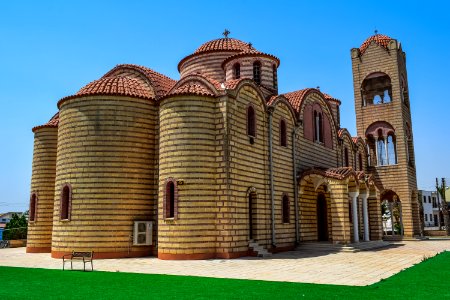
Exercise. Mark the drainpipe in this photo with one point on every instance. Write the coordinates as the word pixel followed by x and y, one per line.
pixel 294 156
pixel 272 191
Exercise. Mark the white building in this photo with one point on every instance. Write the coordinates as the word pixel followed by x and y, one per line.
pixel 431 209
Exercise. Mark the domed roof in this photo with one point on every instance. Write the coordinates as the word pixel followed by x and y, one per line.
pixel 381 39
pixel 52 123
pixel 117 85
pixel 223 44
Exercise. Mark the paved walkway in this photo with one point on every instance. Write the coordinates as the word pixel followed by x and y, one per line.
pixel 361 268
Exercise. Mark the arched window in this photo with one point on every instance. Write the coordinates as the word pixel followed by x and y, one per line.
pixel 376 89
pixel 33 207
pixel 318 124
pixel 251 121
pixel 236 71
pixel 257 72
pixel 275 76
pixel 360 162
pixel 285 209
pixel 391 151
pixel 169 200
pixel 346 163
pixel 381 151
pixel 283 133
pixel 66 199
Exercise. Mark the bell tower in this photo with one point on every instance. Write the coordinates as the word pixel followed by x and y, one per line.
pixel 383 120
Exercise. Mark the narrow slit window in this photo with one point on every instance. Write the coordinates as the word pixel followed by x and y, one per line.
pixel 251 121
pixel 33 206
pixel 66 197
pixel 285 208
pixel 283 133
pixel 257 72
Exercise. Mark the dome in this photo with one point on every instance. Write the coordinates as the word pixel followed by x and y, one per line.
pixel 381 39
pixel 223 44
pixel 117 85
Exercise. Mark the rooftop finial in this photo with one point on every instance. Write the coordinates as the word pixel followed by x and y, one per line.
pixel 250 45
pixel 225 33
pixel 376 31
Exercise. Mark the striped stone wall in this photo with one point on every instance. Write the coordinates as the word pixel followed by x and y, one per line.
pixel 107 153
pixel 39 237
pixel 311 154
pixel 246 64
pixel 283 176
pixel 308 212
pixel 248 168
pixel 189 152
pixel 208 64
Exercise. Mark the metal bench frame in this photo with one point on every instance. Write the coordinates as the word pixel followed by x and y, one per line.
pixel 82 256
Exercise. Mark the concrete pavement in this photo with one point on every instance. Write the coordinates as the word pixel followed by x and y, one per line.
pixel 361 268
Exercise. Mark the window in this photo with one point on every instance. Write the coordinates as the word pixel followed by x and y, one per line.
pixel 346 164
pixel 170 200
pixel 285 209
pixel 275 76
pixel 283 134
pixel 426 217
pixel 257 72
pixel 318 130
pixel 251 121
pixel 360 162
pixel 236 71
pixel 376 89
pixel 66 199
pixel 33 207
pixel 424 199
pixel 429 199
pixel 391 151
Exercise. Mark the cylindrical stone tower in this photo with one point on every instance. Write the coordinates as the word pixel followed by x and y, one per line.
pixel 39 238
pixel 189 153
pixel 106 168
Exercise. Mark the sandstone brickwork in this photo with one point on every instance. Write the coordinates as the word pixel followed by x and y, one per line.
pixel 218 162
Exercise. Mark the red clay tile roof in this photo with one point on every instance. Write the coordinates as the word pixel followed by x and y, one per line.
pixel 223 44
pixel 355 139
pixel 380 39
pixel 331 98
pixel 296 97
pixel 336 173
pixel 161 83
pixel 53 122
pixel 251 52
pixel 191 89
pixel 117 85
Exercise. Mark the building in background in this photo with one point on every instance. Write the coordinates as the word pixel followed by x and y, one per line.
pixel 432 216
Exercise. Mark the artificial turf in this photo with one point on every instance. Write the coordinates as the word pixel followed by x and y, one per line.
pixel 427 280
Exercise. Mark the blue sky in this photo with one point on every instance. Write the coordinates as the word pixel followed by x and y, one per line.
pixel 50 49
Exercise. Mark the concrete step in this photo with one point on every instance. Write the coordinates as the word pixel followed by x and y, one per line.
pixel 260 250
pixel 329 247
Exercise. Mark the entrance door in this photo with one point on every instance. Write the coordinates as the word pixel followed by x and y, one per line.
pixel 252 215
pixel 322 218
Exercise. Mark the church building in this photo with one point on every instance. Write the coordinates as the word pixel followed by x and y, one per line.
pixel 218 164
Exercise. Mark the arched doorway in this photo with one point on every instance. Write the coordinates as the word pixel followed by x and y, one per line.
pixel 391 214
pixel 322 218
pixel 252 220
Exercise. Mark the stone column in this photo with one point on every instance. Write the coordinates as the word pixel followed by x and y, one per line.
pixel 386 150
pixel 365 216
pixel 354 196
pixel 377 162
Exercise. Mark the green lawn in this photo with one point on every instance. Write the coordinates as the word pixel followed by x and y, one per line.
pixel 427 280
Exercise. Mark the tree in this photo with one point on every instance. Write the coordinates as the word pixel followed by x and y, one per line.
pixel 16 229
